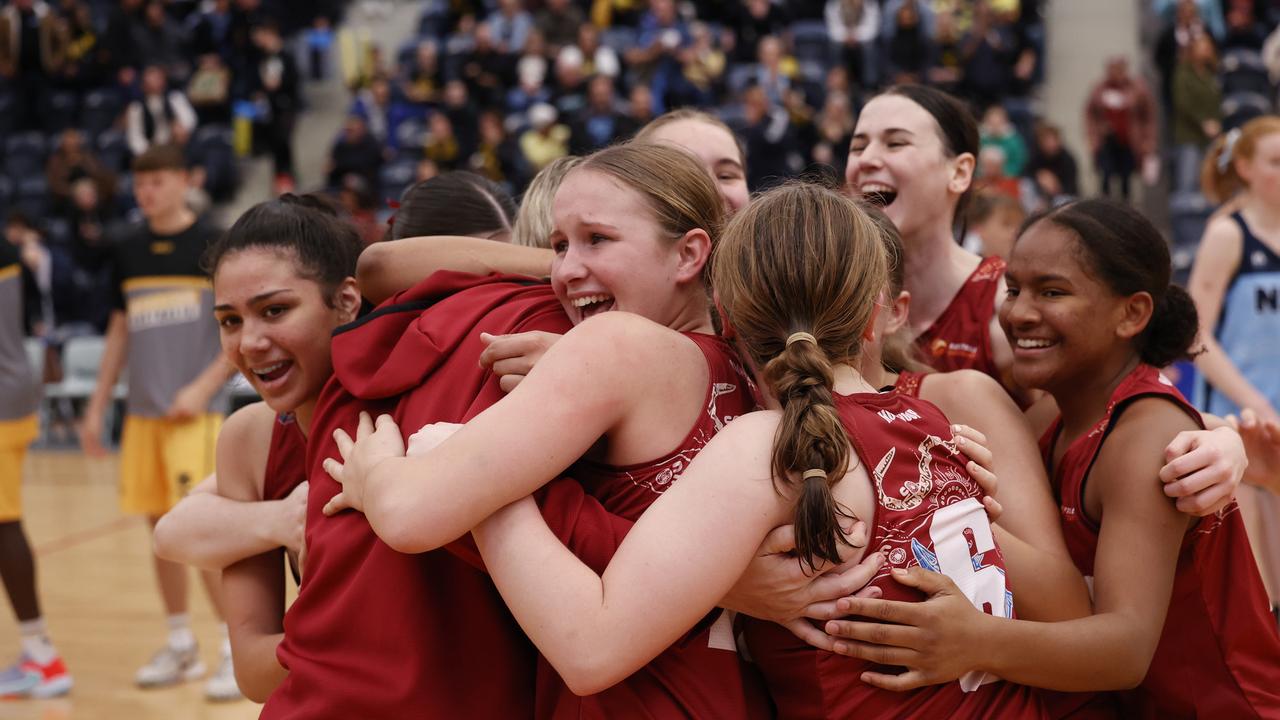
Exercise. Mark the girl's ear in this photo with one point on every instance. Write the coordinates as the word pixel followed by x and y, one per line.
pixel 346 300
pixel 1135 315
pixel 962 169
pixel 694 250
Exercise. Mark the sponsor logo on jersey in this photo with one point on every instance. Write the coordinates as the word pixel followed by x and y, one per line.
pixel 905 416
pixel 940 348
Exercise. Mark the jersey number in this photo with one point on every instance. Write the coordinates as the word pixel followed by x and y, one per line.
pixel 961 536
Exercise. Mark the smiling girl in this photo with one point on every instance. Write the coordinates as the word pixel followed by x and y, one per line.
pixel 1179 611
pixel 913 154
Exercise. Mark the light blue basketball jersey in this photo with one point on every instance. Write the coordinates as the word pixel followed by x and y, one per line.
pixel 1249 326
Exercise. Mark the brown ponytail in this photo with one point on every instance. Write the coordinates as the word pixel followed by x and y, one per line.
pixel 798 273
pixel 810 437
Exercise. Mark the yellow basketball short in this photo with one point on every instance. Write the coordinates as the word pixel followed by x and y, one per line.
pixel 15 436
pixel 160 460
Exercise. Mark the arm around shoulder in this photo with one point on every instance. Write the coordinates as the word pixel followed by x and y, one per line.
pixel 577 393
pixel 671 570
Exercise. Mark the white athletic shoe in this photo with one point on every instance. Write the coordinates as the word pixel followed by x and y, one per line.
pixel 170 666
pixel 221 686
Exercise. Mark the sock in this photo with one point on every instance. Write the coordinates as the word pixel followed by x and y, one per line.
pixel 180 635
pixel 35 641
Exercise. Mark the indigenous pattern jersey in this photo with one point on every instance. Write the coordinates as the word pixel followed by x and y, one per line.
pixel 928 513
pixel 157 280
pixel 1249 326
pixel 1219 655
pixel 376 633
pixel 909 383
pixel 700 676
pixel 19 387
pixel 961 336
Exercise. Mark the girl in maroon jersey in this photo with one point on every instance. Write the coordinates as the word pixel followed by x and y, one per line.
pixel 796 254
pixel 1215 460
pixel 630 235
pixel 239 521
pixel 1179 610
pixel 913 153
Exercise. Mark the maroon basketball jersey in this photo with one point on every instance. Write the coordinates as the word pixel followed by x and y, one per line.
pixel 928 513
pixel 379 634
pixel 961 336
pixel 286 459
pixel 701 676
pixel 1219 654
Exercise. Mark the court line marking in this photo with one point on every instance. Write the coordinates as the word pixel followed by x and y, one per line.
pixel 66 542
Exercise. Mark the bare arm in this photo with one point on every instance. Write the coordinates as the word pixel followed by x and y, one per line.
pixel 596 630
pixel 1216 262
pixel 193 398
pixel 1041 574
pixel 387 268
pixel 1133 571
pixel 945 636
pixel 252 589
pixel 211 531
pixel 584 388
pixel 113 355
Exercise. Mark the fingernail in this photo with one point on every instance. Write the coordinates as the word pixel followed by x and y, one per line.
pixel 959 439
pixel 898 571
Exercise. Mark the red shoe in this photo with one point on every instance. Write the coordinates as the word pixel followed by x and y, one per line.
pixel 54 680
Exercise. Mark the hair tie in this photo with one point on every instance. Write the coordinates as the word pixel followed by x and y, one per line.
pixel 801 336
pixel 814 473
pixel 1228 150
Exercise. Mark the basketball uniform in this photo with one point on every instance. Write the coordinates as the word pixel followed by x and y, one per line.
pixel 286 459
pixel 159 283
pixel 1061 705
pixel 1248 329
pixel 961 336
pixel 928 513
pixel 700 676
pixel 19 386
pixel 1219 654
pixel 375 633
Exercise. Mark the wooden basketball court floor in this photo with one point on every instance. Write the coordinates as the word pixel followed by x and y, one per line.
pixel 100 600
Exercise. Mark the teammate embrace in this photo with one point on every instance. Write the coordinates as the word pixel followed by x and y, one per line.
pixel 563 511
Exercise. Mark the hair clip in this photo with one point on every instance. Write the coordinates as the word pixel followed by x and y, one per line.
pixel 1228 150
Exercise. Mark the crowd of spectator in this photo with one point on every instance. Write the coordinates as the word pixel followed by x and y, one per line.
pixel 1218 63
pixel 86 85
pixel 500 87
pixel 505 87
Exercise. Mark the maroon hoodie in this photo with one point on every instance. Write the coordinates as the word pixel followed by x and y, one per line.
pixel 376 633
